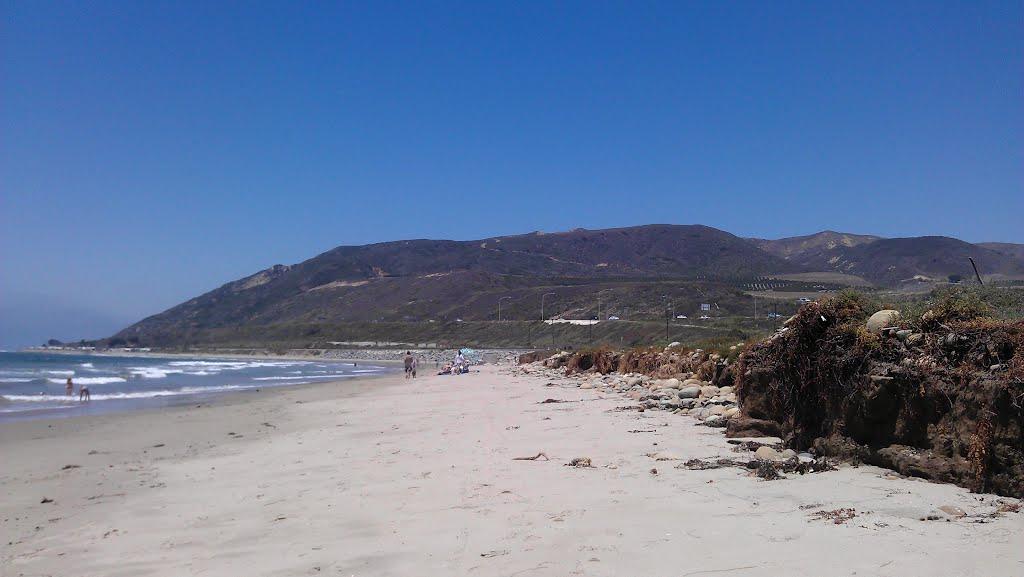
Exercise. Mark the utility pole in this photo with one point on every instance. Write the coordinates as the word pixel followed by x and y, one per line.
pixel 499 313
pixel 976 275
pixel 599 302
pixel 499 307
pixel 543 318
pixel 665 297
pixel 542 297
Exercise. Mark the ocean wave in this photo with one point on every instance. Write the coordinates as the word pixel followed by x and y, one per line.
pixel 302 378
pixel 129 395
pixel 16 380
pixel 152 372
pixel 87 366
pixel 90 380
pixel 65 373
pixel 236 365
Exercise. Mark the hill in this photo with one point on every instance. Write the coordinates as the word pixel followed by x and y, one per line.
pixel 422 280
pixel 811 247
pixel 640 272
pixel 1007 248
pixel 891 261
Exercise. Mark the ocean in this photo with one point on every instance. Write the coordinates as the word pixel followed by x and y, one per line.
pixel 32 385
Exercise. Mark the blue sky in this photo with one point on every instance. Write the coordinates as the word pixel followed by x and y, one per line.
pixel 151 151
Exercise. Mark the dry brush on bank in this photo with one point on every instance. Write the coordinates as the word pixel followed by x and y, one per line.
pixel 939 395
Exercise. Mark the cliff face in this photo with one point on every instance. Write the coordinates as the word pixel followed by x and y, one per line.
pixel 941 399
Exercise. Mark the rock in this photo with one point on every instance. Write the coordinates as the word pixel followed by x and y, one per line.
pixel 767 454
pixel 915 339
pixel 788 454
pixel 883 319
pixel 716 421
pixel 716 410
pixel 904 334
pixel 587 385
pixel 724 391
pixel 687 403
pixel 708 391
pixel 742 426
pixel 731 411
pixel 693 383
pixel 689 393
pixel 953 511
pixel 663 456
pixel 673 345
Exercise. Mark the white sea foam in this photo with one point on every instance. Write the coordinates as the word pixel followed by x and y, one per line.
pixel 131 395
pixel 66 373
pixel 302 378
pixel 90 380
pixel 152 372
pixel 236 365
pixel 16 380
pixel 87 366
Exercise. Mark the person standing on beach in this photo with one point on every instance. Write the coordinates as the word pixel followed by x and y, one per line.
pixel 415 363
pixel 409 360
pixel 70 388
pixel 83 393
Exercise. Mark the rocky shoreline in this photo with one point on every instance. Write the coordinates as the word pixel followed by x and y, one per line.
pixel 938 395
pixel 686 394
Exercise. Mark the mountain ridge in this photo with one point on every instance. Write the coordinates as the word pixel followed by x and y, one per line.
pixel 420 279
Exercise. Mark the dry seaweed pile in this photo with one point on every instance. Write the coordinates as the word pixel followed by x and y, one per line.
pixel 672 361
pixel 939 395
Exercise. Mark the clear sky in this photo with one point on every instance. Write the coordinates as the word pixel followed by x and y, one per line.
pixel 150 151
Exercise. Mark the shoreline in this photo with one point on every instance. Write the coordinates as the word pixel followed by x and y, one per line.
pixel 71 407
pixel 383 476
pixel 208 355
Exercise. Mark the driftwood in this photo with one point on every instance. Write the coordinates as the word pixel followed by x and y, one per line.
pixel 533 458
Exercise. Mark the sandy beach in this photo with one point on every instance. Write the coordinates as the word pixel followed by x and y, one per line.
pixel 384 476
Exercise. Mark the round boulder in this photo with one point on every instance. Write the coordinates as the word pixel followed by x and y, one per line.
pixel 882 319
pixel 689 392
pixel 766 453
